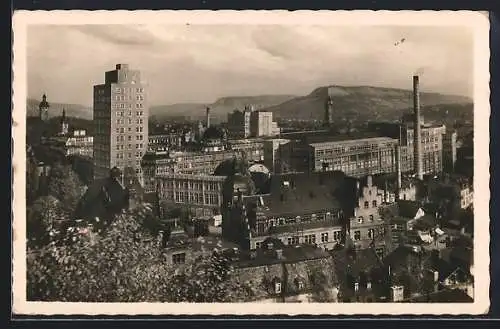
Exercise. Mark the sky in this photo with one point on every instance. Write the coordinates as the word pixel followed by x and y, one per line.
pixel 196 63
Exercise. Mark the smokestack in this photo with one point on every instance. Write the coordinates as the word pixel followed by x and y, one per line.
pixel 329 112
pixel 398 170
pixel 417 145
pixel 208 117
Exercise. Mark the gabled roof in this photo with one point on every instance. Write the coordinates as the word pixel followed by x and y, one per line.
pixel 102 199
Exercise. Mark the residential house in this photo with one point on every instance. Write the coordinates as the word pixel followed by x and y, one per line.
pixel 284 273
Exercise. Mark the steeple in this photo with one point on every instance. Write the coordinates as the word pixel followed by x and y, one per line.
pixel 64 124
pixel 43 108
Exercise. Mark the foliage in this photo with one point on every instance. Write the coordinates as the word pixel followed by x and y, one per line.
pixel 43 220
pixel 124 264
pixel 65 185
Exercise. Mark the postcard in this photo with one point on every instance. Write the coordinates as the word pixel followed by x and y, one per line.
pixel 244 162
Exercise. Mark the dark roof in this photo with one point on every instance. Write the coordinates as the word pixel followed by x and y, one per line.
pixel 302 193
pixel 290 254
pixel 445 296
pixel 407 208
pixel 400 257
pixel 324 138
pixel 426 222
pixel 355 262
pixel 102 199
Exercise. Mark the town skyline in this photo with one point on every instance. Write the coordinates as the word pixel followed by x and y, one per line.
pixel 193 63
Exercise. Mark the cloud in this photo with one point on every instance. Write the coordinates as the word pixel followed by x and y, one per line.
pixel 187 63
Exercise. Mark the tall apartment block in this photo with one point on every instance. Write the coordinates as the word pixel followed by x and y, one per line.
pixel 120 122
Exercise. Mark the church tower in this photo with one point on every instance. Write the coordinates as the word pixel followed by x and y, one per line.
pixel 43 109
pixel 64 124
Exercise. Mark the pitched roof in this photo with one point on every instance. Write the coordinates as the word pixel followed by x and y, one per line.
pixel 302 193
pixel 103 198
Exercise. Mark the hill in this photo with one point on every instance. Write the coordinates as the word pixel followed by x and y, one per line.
pixel 361 103
pixel 220 108
pixel 72 110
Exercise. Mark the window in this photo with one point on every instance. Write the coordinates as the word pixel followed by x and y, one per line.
pixel 367 205
pixel 293 240
pixel 310 239
pixel 371 218
pixel 357 235
pixel 258 245
pixel 374 203
pixel 360 220
pixel 336 235
pixel 277 287
pixel 179 258
pixel 371 233
pixel 324 237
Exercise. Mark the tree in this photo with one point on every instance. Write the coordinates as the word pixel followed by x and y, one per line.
pixel 124 263
pixel 65 185
pixel 43 220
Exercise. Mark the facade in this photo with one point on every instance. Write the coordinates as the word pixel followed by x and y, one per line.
pixel 449 151
pixel 165 141
pixel 155 163
pixel 466 196
pixel 200 163
pixel 431 144
pixel 367 228
pixel 253 149
pixel 354 157
pixel 261 124
pixel 277 273
pixel 120 121
pixel 80 144
pixel 272 159
pixel 300 209
pixel 201 193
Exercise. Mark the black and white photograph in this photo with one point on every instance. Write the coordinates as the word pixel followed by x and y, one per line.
pixel 250 161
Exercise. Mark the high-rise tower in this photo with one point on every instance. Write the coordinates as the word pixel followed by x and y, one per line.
pixel 329 112
pixel 120 122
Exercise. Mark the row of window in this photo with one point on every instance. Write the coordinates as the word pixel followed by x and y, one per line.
pixel 126 90
pixel 209 186
pixel 367 204
pixel 121 146
pixel 125 98
pixel 127 105
pixel 308 239
pixel 198 198
pixel 370 235
pixel 122 121
pixel 120 155
pixel 121 138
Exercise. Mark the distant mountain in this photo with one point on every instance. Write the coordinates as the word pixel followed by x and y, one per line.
pixel 361 103
pixel 72 110
pixel 220 108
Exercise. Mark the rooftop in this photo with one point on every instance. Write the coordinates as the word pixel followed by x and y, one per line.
pixel 290 254
pixel 445 296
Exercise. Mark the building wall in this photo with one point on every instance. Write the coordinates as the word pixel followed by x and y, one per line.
pixel 449 151
pixel 80 145
pixel 202 193
pixel 254 149
pixel 367 224
pixel 272 154
pixel 466 197
pixel 356 158
pixel 261 124
pixel 197 163
pixel 120 121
